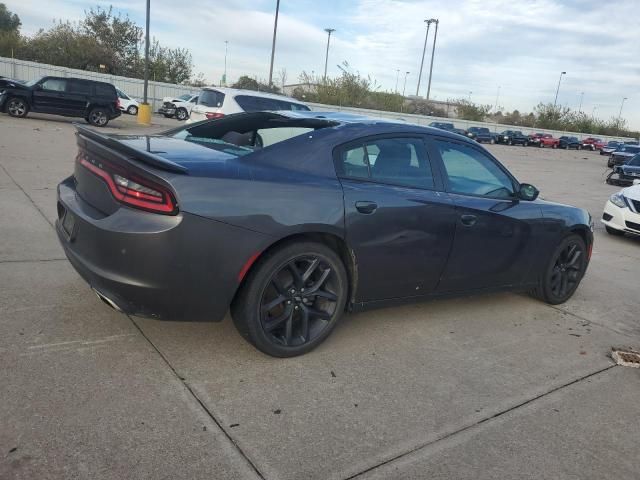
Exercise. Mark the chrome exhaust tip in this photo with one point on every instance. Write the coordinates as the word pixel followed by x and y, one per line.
pixel 107 300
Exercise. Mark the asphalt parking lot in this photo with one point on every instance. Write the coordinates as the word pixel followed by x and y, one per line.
pixel 493 387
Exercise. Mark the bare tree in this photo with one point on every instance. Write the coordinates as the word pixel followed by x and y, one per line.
pixel 282 74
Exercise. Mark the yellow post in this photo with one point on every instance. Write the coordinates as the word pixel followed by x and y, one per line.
pixel 144 114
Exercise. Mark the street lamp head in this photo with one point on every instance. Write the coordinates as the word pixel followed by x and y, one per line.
pixel 329 30
pixel 563 73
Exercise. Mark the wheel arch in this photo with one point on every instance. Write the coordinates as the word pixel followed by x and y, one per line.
pixel 332 240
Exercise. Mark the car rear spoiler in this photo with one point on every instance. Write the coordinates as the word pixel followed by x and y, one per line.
pixel 137 154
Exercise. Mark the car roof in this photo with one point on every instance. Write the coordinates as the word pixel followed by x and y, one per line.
pixel 254 93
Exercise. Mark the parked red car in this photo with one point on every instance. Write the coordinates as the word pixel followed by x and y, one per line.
pixel 593 144
pixel 547 140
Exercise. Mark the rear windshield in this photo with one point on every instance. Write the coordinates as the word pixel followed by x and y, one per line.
pixel 250 103
pixel 211 98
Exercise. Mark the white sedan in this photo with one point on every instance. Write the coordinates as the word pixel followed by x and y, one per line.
pixel 622 211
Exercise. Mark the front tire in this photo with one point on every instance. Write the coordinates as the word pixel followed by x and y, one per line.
pixel 17 107
pixel 564 271
pixel 98 117
pixel 291 299
pixel 182 114
pixel 132 110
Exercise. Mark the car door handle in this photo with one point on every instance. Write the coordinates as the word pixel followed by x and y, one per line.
pixel 366 207
pixel 468 220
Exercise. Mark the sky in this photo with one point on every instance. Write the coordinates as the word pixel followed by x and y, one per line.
pixel 518 47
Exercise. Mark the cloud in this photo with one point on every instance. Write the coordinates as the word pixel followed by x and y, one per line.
pixel 482 44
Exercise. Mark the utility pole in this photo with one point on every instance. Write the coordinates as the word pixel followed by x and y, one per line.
pixel 146 55
pixel 326 57
pixel 555 101
pixel 433 51
pixel 497 97
pixel 397 78
pixel 424 49
pixel 224 77
pixel 273 44
pixel 404 88
pixel 581 98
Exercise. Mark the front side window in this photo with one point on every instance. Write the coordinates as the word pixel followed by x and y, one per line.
pixel 105 90
pixel 472 172
pixel 397 161
pixel 54 84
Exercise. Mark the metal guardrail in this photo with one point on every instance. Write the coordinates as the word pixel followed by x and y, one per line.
pixel 25 70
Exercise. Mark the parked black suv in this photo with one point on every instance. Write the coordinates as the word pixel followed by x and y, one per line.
pixel 513 137
pixel 96 102
pixel 570 142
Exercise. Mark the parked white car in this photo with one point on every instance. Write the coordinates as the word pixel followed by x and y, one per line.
pixel 179 107
pixel 127 103
pixel 622 211
pixel 216 102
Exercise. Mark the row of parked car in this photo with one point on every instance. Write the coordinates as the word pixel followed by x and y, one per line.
pixel 516 137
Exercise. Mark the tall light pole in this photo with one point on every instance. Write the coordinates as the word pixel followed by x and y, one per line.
pixel 593 112
pixel 621 105
pixel 497 98
pixel 273 44
pixel 397 78
pixel 404 88
pixel 433 51
pixel 326 58
pixel 144 109
pixel 581 98
pixel 470 92
pixel 424 49
pixel 224 77
pixel 555 101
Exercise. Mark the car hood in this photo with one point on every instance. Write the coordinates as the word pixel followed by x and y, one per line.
pixel 10 83
pixel 172 100
pixel 632 192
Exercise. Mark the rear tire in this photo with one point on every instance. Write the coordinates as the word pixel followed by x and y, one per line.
pixel 564 271
pixel 17 107
pixel 614 231
pixel 292 299
pixel 98 117
pixel 132 110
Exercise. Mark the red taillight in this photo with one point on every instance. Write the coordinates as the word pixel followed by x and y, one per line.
pixel 212 115
pixel 118 103
pixel 132 190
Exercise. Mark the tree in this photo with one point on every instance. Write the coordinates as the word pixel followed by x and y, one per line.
pixel 9 22
pixel 247 83
pixel 471 111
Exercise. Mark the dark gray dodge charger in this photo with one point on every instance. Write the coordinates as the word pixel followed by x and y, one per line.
pixel 287 219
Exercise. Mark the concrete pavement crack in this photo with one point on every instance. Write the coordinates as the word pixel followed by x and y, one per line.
pixel 26 195
pixel 197 399
pixel 593 322
pixel 479 422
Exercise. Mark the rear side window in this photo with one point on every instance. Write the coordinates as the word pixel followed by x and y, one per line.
pixel 396 161
pixel 105 90
pixel 79 87
pixel 54 84
pixel 250 103
pixel 211 98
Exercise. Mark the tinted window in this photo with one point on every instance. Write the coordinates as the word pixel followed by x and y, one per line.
pixel 105 90
pixel 121 94
pixel 194 100
pixel 635 161
pixel 399 161
pixel 79 87
pixel 55 84
pixel 472 172
pixel 250 103
pixel 211 98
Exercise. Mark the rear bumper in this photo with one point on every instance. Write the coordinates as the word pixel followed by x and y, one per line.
pixel 181 267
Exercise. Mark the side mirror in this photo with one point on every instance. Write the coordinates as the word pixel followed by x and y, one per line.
pixel 37 86
pixel 528 192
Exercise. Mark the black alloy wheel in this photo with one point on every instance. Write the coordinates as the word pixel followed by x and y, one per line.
pixel 98 117
pixel 565 271
pixel 292 299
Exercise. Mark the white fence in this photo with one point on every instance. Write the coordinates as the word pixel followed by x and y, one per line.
pixel 24 70
pixel 464 124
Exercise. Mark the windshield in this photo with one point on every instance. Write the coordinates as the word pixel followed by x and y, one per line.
pixel 185 97
pixel 31 83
